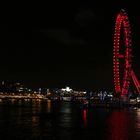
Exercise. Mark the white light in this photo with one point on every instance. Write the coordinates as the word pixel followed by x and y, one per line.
pixel 66 89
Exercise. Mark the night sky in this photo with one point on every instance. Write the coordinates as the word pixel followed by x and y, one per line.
pixel 63 44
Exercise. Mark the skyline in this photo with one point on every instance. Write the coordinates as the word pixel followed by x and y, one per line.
pixel 67 45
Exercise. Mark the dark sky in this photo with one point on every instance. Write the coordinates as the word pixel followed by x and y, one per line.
pixel 58 44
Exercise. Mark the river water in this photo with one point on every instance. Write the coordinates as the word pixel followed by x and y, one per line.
pixel 39 120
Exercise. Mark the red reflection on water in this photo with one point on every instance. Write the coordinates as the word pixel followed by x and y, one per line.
pixel 85 117
pixel 118 126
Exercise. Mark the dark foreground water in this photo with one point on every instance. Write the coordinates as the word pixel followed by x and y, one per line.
pixel 39 120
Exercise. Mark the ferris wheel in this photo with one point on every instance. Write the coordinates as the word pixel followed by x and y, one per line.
pixel 122 56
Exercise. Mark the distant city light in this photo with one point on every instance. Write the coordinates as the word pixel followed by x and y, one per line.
pixel 67 89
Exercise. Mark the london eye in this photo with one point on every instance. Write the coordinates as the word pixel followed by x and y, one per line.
pixel 122 54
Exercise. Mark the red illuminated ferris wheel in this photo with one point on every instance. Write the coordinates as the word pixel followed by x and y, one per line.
pixel 122 56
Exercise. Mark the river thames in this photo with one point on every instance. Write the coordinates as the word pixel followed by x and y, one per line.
pixel 44 119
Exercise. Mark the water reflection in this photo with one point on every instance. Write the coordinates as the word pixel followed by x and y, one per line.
pixel 118 125
pixel 85 117
pixel 49 106
pixel 45 119
pixel 124 124
pixel 35 120
pixel 65 117
pixel 137 123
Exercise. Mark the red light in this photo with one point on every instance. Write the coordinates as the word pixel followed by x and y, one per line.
pixel 85 117
pixel 122 19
